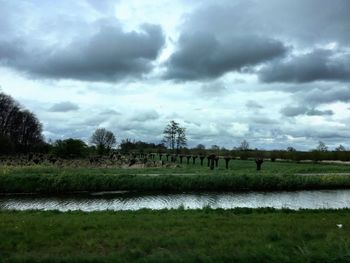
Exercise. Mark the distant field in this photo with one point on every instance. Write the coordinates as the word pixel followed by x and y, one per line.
pixel 240 176
pixel 240 235
pixel 235 167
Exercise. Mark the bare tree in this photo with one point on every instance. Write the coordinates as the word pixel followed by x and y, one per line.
pixel 29 129
pixel 244 146
pixel 174 136
pixel 103 139
pixel 321 147
pixel 19 126
pixel 8 109
pixel 340 148
pixel 291 149
pixel 181 139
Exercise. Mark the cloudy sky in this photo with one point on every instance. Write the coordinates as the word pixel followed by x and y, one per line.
pixel 273 72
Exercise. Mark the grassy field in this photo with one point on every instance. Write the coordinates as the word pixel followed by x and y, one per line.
pixel 240 177
pixel 240 235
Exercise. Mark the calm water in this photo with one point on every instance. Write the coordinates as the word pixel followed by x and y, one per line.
pixel 128 201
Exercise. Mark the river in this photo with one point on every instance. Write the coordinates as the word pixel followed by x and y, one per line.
pixel 117 201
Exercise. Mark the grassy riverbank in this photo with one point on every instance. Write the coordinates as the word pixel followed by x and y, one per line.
pixel 240 235
pixel 240 177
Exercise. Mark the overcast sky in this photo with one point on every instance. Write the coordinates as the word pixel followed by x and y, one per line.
pixel 273 72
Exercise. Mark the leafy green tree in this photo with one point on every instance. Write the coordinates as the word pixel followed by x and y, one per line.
pixel 200 147
pixel 70 148
pixel 128 145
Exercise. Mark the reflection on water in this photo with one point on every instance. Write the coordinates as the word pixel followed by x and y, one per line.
pixel 127 201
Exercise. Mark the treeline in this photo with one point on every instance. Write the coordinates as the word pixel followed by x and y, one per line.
pixel 133 146
pixel 20 130
pixel 294 155
pixel 75 148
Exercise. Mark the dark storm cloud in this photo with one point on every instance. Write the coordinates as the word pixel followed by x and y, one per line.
pixel 325 95
pixel 313 66
pixel 313 94
pixel 64 107
pixel 315 112
pixel 218 42
pixel 10 51
pixel 204 56
pixel 306 22
pixel 108 55
pixel 292 111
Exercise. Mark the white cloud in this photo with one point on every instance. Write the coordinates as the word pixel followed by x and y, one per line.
pixel 238 129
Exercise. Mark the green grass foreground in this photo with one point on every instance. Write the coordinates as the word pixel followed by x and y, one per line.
pixel 239 235
pixel 241 176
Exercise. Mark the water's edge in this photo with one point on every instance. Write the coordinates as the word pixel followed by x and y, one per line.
pixel 122 200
